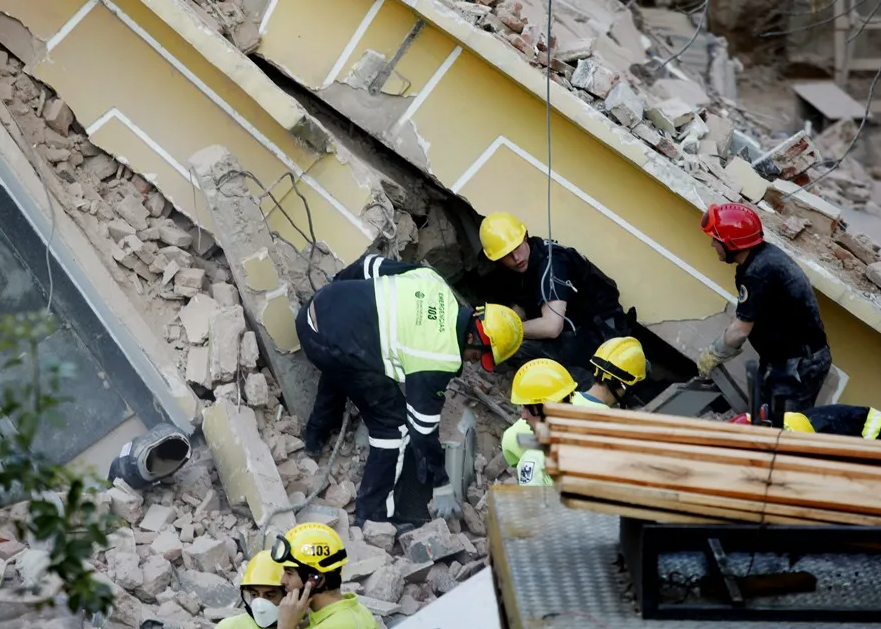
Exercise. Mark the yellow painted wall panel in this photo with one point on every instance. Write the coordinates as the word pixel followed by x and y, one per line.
pixel 306 37
pixel 458 130
pixel 228 90
pixel 855 349
pixel 43 18
pixel 346 240
pixel 428 52
pixel 646 279
pixel 115 136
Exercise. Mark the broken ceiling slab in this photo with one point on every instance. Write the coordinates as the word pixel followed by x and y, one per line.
pixel 827 99
pixel 789 199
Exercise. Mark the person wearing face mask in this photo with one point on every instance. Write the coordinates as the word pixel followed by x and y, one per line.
pixel 262 591
pixel 312 556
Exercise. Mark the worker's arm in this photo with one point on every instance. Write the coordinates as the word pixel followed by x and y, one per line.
pixel 553 292
pixel 550 324
pixel 425 401
pixel 737 332
pixel 531 469
pixel 372 265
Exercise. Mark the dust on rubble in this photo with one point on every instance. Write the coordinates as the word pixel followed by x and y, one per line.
pixel 180 556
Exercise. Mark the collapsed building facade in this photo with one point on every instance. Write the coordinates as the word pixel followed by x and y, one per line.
pixel 392 125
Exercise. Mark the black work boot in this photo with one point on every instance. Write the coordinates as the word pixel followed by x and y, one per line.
pixel 147 459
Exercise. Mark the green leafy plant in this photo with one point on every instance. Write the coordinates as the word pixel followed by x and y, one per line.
pixel 74 526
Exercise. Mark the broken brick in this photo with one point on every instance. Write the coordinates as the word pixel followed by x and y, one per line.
pixel 863 253
pixel 592 76
pixel 58 116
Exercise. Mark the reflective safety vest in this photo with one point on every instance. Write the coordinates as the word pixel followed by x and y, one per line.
pixel 579 399
pixel 872 427
pixel 530 463
pixel 417 323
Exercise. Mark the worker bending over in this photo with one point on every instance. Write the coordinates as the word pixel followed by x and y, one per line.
pixel 776 310
pixel 832 419
pixel 312 557
pixel 618 363
pixel 261 592
pixel 570 305
pixel 381 323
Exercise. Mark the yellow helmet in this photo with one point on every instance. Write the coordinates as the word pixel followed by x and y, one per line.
pixel 541 380
pixel 797 422
pixel 500 234
pixel 262 570
pixel 620 358
pixel 310 545
pixel 502 330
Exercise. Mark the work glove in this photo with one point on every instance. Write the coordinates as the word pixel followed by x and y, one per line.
pixel 445 503
pixel 716 354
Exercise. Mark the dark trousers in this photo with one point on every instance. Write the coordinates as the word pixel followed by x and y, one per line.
pixel 383 409
pixel 799 380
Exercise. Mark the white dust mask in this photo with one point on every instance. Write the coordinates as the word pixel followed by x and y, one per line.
pixel 265 613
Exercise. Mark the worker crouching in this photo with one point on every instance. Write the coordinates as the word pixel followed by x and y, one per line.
pixel 832 419
pixel 619 363
pixel 379 324
pixel 261 591
pixel 312 557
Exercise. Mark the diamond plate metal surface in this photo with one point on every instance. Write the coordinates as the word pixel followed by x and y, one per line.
pixel 557 568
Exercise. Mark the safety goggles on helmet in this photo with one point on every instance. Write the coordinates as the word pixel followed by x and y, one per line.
pixel 283 553
pixel 486 359
pixel 708 223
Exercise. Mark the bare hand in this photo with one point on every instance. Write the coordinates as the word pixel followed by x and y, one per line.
pixel 293 607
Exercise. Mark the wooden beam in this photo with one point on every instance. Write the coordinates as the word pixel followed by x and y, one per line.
pixel 708 505
pixel 813 490
pixel 755 439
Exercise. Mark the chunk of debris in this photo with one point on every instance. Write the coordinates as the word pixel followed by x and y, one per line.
pixel 157 518
pixel 226 327
pixel 792 226
pixel 386 584
pixel 788 199
pixel 211 589
pixel 670 114
pixel 625 104
pixel 206 555
pixel 257 390
pixel 790 158
pixel 196 317
pixel 189 282
pixel 133 211
pixel 430 542
pixel 873 272
pixel 592 76
pixel 576 51
pixel 380 534
pixel 863 252
pixel 752 185
pixel 249 352
pixel 58 116
pixel 125 504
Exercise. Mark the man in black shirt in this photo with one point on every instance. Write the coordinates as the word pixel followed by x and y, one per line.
pixel 571 307
pixel 776 310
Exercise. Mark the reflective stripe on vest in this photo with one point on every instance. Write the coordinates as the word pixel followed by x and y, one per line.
pixel 872 427
pixel 417 314
pixel 579 400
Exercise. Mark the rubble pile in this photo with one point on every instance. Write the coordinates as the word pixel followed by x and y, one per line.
pixel 181 553
pixel 603 58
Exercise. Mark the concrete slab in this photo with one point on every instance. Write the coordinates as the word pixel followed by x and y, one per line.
pixel 830 100
pixel 471 604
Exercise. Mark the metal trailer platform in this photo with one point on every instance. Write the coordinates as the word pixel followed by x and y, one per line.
pixel 559 568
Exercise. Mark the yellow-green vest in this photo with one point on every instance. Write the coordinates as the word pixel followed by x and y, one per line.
pixel 417 323
pixel 578 399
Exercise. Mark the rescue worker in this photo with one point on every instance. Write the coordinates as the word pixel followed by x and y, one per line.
pixel 261 591
pixel 570 305
pixel 378 324
pixel 776 310
pixel 312 556
pixel 619 363
pixel 832 419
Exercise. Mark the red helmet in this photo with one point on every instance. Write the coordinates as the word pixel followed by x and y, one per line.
pixel 736 226
pixel 743 418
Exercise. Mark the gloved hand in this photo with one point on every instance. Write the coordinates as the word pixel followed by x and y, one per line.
pixel 716 354
pixel 445 503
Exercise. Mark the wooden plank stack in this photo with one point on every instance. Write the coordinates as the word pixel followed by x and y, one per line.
pixel 683 470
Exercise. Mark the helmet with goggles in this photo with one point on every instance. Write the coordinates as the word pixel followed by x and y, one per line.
pixel 311 545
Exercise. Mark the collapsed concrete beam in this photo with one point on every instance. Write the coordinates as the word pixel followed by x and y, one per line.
pixel 245 465
pixel 259 272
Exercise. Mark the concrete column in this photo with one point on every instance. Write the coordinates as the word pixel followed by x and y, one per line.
pixel 259 272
